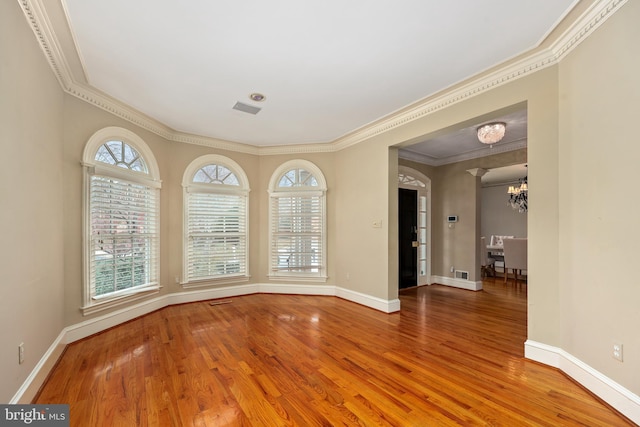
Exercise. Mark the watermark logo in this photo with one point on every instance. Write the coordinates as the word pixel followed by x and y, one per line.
pixel 34 415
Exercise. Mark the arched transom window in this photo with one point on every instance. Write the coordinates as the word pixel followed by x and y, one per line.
pixel 407 179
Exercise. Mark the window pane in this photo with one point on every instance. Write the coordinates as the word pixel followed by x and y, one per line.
pixel 216 227
pixel 118 153
pixel 297 225
pixel 123 235
pixel 216 174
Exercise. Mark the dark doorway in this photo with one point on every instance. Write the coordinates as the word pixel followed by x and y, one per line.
pixel 408 237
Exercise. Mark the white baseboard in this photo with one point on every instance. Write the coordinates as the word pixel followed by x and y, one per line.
pixel 296 289
pixel 36 378
pixel 623 400
pixel 94 325
pixel 387 306
pixel 457 283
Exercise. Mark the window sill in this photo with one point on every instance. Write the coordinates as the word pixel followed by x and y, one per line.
pixel 107 303
pixel 213 282
pixel 298 278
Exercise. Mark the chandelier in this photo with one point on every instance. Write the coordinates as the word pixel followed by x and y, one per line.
pixel 491 132
pixel 518 195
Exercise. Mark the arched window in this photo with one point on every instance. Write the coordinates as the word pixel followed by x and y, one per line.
pixel 297 221
pixel 409 180
pixel 216 194
pixel 121 221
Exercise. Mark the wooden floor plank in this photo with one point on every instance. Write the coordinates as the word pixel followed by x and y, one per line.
pixel 450 357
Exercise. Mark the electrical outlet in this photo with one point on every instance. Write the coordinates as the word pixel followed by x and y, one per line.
pixel 21 353
pixel 617 351
pixel 452 269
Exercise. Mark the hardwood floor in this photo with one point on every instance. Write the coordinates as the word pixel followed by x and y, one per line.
pixel 450 357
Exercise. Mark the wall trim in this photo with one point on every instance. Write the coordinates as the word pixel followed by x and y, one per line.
pixel 39 374
pixel 98 324
pixel 531 62
pixel 457 283
pixel 620 398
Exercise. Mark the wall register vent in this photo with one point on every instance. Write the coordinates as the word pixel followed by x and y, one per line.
pixel 462 275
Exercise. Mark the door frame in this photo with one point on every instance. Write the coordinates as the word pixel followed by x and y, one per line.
pixel 422 183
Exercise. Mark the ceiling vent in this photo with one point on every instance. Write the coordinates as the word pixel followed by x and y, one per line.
pixel 246 108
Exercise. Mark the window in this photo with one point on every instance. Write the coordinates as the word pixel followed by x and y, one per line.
pixel 297 222
pixel 121 219
pixel 215 220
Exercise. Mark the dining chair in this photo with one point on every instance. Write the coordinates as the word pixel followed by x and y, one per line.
pixel 497 240
pixel 515 257
pixel 487 264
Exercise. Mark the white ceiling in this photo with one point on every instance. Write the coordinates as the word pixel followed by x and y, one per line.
pixel 326 68
pixel 463 144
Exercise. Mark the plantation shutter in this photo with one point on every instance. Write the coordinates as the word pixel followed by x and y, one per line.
pixel 297 233
pixel 217 242
pixel 124 235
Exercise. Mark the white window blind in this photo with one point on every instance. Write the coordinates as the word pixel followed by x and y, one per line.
pixel 217 235
pixel 297 233
pixel 123 234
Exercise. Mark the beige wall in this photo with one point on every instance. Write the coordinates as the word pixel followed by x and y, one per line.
pixel 497 217
pixel 362 197
pixel 31 253
pixel 599 226
pixel 580 149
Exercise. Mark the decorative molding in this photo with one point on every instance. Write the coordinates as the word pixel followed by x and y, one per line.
pixel 40 25
pixel 457 283
pixel 595 16
pixel 475 154
pixel 538 59
pixel 477 172
pixel 620 398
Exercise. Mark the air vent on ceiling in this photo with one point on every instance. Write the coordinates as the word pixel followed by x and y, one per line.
pixel 246 108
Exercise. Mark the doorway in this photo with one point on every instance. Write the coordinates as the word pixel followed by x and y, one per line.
pixel 414 239
pixel 407 237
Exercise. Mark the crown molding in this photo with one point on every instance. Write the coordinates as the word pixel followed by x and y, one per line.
pixel 470 155
pixel 538 59
pixel 589 21
pixel 41 26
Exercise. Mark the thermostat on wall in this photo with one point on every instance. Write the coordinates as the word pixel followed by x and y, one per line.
pixel 452 218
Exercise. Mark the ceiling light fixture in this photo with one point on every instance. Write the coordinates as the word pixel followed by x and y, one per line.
pixel 491 132
pixel 258 97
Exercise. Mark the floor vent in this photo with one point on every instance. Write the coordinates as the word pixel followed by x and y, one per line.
pixel 462 275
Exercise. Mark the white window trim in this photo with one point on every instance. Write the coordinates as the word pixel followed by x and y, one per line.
pixel 189 186
pixel 90 167
pixel 320 190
